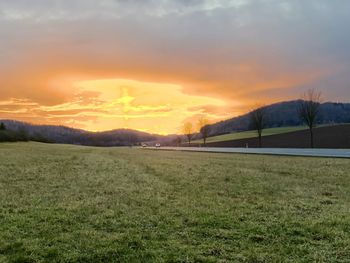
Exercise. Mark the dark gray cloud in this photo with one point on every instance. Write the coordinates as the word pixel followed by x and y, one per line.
pixel 243 49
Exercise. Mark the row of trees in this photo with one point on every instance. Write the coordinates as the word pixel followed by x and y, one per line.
pixel 308 111
pixel 203 127
pixel 7 135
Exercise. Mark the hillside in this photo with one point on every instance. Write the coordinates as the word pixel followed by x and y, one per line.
pixel 62 134
pixel 250 134
pixel 331 136
pixel 285 114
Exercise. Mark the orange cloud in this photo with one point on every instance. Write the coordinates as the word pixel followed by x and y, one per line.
pixel 150 65
pixel 117 103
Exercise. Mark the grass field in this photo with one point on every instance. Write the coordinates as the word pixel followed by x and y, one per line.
pixel 62 203
pixel 251 134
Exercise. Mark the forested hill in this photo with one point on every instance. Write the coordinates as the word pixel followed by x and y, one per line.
pixel 62 134
pixel 285 114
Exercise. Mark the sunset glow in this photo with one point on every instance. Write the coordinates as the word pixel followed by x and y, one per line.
pixel 151 66
pixel 152 107
pixel 98 105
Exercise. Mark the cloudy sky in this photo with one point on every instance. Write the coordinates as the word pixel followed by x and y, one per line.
pixel 153 64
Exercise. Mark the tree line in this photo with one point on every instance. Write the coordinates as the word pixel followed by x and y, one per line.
pixel 7 135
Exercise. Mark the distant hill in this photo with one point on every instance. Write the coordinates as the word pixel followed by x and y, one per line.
pixel 62 134
pixel 285 114
pixel 281 114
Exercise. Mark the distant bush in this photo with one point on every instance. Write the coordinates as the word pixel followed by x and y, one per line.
pixel 21 135
pixel 2 126
pixel 37 137
pixel 8 136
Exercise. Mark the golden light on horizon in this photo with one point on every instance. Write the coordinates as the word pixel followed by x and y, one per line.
pixel 146 106
pixel 107 104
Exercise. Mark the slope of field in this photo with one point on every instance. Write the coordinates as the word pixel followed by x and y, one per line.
pixel 285 114
pixel 64 203
pixel 335 137
pixel 251 134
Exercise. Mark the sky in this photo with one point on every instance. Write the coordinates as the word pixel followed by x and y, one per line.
pixel 152 65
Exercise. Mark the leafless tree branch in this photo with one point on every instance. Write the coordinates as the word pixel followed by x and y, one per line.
pixel 309 110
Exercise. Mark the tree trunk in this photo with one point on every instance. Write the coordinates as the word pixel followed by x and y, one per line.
pixel 260 144
pixel 311 138
pixel 204 140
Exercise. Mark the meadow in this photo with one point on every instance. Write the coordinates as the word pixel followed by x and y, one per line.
pixel 251 134
pixel 61 203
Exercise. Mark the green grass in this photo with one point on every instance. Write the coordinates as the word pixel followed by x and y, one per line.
pixel 62 203
pixel 251 134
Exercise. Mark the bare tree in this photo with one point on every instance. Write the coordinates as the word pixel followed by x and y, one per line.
pixel 204 129
pixel 257 121
pixel 188 131
pixel 309 110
